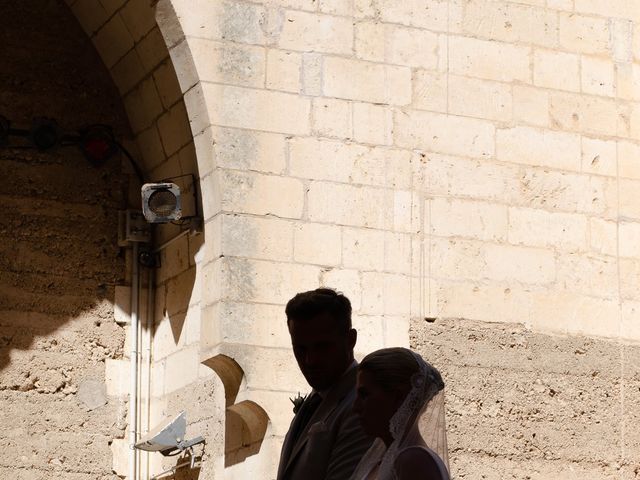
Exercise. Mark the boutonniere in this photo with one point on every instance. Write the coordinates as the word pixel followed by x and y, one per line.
pixel 297 402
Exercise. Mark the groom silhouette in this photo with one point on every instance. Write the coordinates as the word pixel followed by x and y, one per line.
pixel 325 440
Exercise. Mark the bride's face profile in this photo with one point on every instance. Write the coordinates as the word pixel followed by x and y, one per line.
pixel 375 406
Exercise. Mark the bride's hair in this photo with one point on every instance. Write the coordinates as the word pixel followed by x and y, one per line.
pixel 392 369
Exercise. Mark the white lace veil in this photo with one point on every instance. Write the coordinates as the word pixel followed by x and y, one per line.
pixel 423 407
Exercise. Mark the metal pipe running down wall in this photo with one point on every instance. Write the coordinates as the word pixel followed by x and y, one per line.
pixel 133 392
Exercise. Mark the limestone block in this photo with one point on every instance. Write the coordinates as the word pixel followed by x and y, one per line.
pixel 181 292
pixel 224 20
pixel 427 14
pixel 370 332
pixel 489 60
pixel 566 5
pixel 113 40
pixel 588 275
pixel 628 81
pixel 629 160
pixel 246 192
pixel 599 156
pixel 629 239
pixel 634 121
pixel 455 258
pixel 397 252
pixel 226 62
pixel 175 131
pixel 372 124
pixel 332 118
pixel 139 16
pixel 254 324
pixel 630 321
pixel 540 228
pixel 327 160
pixel 532 146
pixel 368 82
pixel 116 377
pixel 479 98
pixel 271 111
pixel 337 7
pixel 316 33
pixel 255 237
pixel 603 236
pixel 627 9
pixel 120 452
pixel 151 147
pixel 444 133
pixel 167 83
pixel 471 301
pixel 317 244
pixel 370 41
pixel 167 336
pixel 91 16
pixel 629 278
pixel 622 40
pixel 584 34
pixel 567 192
pixel 558 70
pixel 530 105
pixel 143 105
pixel 597 76
pixel 629 207
pixel 385 293
pixel 312 67
pixel 450 218
pixel 283 70
pixel 406 211
pixel 263 368
pixel 588 114
pixel 212 201
pixel 521 264
pixel 266 282
pixel 396 331
pixel 363 8
pixel 511 23
pixel 249 150
pixel 575 314
pixel 193 323
pixel 203 143
pixel 350 205
pixel 181 368
pixel 461 177
pixel 411 47
pixel 128 71
pixel 363 249
pixel 174 259
pixel 345 281
pixel 430 91
pixel 152 49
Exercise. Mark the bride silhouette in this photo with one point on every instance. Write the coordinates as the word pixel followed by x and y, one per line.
pixel 397 397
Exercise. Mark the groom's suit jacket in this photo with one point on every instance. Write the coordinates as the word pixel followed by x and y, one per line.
pixel 332 443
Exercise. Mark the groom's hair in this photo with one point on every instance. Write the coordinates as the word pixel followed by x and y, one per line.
pixel 321 301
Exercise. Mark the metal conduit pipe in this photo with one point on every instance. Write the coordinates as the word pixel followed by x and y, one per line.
pixel 133 393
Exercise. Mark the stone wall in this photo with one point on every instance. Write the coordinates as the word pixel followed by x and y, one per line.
pixel 59 258
pixel 528 405
pixel 469 159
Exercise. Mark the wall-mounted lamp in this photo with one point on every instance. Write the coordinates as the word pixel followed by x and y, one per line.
pixel 44 133
pixel 98 144
pixel 161 202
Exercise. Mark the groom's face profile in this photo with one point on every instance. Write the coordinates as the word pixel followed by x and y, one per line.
pixel 322 349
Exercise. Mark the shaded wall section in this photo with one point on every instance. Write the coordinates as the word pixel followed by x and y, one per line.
pixel 59 259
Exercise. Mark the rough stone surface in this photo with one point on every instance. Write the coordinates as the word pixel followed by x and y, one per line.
pixel 527 405
pixel 59 259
